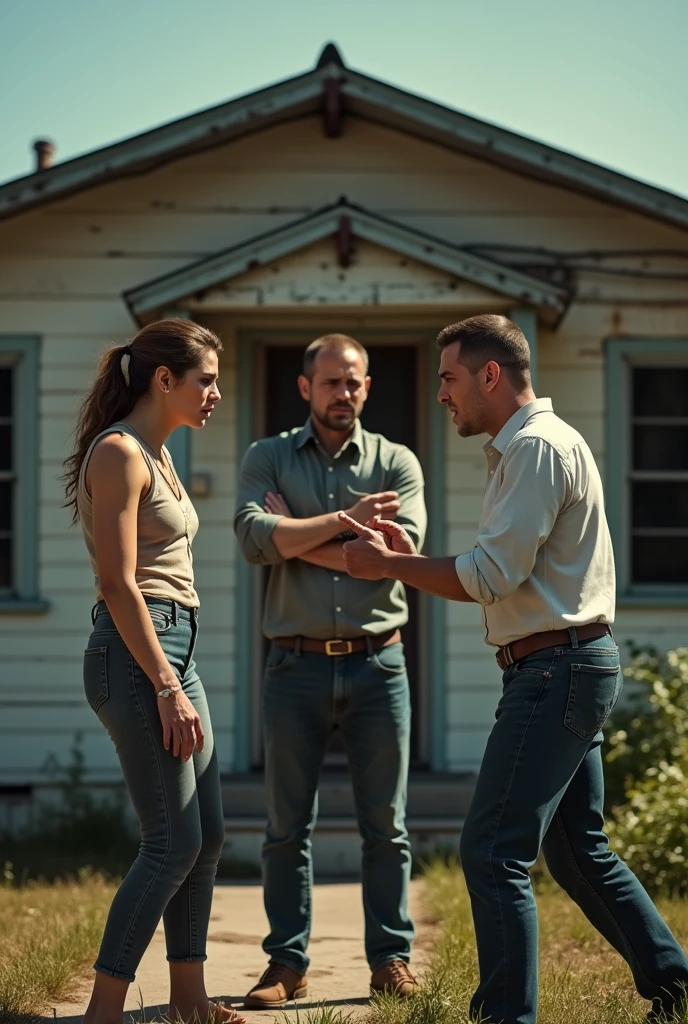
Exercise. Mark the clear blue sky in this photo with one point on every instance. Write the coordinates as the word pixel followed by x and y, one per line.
pixel 605 79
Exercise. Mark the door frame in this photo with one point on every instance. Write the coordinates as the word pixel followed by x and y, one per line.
pixel 432 438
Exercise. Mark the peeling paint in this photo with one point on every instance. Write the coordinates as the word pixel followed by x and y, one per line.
pixel 443 257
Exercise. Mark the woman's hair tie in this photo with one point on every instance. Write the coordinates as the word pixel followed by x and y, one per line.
pixel 124 363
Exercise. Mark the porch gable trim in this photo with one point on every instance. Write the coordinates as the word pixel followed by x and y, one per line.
pixel 202 275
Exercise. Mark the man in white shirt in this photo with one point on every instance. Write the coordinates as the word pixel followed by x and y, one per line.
pixel 543 570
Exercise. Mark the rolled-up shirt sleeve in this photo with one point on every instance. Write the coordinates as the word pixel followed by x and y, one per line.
pixel 407 480
pixel 534 488
pixel 254 526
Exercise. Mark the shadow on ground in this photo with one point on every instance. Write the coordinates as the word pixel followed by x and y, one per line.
pixel 152 1013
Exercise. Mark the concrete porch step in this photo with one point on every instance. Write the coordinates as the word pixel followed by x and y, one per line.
pixel 437 806
pixel 348 824
pixel 430 796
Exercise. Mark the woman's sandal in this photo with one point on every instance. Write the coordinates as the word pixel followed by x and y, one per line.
pixel 218 1013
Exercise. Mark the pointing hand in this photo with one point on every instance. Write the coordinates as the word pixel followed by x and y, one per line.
pixel 396 537
pixel 365 558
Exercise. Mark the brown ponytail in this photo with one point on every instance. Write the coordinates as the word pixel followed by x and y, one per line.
pixel 121 382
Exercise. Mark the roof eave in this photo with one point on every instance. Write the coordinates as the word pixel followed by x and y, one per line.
pixel 363 96
pixel 451 128
pixel 295 97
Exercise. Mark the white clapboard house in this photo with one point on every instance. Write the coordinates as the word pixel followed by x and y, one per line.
pixel 331 201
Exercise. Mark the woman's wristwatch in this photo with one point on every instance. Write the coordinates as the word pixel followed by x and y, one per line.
pixel 168 691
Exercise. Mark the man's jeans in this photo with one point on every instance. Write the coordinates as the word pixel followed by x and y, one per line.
pixel 541 785
pixel 305 697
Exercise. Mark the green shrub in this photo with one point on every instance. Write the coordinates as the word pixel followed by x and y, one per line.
pixel 646 772
pixel 650 831
pixel 651 727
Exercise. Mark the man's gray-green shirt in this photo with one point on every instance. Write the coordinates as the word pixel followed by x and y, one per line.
pixel 304 599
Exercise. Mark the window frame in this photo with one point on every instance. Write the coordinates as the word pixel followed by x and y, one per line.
pixel 21 352
pixel 622 355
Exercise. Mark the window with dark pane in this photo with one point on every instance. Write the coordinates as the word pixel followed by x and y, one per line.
pixel 6 476
pixel 659 475
pixel 660 391
pixel 5 418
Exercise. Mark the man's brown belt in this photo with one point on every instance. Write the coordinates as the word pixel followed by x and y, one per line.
pixel 339 647
pixel 519 649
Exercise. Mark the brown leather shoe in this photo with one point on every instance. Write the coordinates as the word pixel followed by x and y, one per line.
pixel 278 986
pixel 395 977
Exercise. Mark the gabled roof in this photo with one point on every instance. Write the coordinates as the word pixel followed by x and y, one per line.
pixel 211 271
pixel 335 90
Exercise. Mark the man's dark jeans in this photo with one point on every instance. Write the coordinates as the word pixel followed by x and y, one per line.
pixel 304 698
pixel 541 785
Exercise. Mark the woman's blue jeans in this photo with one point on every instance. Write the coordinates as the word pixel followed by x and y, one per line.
pixel 179 805
pixel 541 786
pixel 305 697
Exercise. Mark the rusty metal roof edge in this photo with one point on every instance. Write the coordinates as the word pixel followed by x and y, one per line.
pixel 420 116
pixel 169 141
pixel 497 145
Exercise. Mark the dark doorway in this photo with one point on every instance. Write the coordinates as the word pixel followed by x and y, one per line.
pixel 392 410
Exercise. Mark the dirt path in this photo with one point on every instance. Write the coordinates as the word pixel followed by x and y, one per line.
pixel 338 975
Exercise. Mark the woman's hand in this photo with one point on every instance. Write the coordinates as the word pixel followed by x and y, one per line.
pixel 276 505
pixel 181 726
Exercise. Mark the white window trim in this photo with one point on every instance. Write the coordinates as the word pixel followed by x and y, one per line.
pixel 21 352
pixel 622 355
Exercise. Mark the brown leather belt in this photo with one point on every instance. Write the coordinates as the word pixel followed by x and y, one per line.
pixel 335 648
pixel 519 649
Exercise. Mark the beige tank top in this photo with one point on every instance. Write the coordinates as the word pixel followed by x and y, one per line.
pixel 166 529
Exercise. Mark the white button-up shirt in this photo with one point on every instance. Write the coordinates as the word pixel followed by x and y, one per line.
pixel 544 557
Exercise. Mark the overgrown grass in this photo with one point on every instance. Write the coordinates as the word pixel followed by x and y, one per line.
pixel 582 980
pixel 316 1015
pixel 48 935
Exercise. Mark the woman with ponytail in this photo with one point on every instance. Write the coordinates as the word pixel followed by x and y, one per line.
pixel 139 673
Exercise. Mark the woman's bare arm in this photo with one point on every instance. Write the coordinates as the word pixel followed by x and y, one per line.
pixel 117 479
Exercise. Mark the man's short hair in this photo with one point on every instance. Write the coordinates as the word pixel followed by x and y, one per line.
pixel 491 337
pixel 331 343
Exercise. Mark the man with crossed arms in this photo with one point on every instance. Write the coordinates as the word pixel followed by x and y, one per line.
pixel 336 661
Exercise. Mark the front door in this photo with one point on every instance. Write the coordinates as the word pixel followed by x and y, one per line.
pixel 392 409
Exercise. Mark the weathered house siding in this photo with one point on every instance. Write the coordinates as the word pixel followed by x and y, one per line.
pixel 62 272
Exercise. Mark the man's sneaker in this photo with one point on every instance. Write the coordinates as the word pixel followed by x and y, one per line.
pixel 278 986
pixel 395 977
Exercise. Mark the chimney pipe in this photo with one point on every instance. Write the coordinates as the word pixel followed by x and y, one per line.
pixel 45 150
